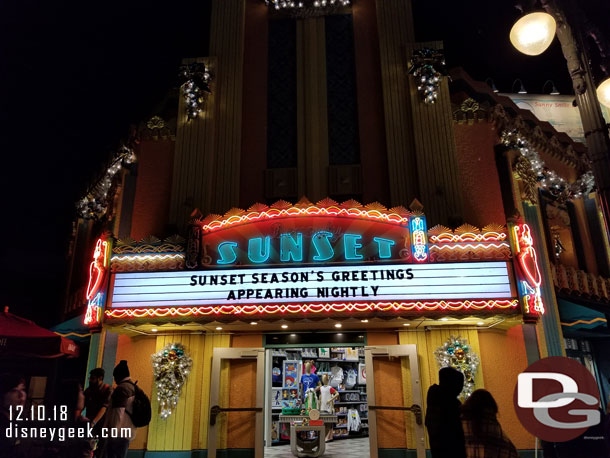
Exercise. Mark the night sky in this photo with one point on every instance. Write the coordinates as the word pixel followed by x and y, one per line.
pixel 74 78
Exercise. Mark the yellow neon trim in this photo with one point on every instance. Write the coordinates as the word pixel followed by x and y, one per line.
pixel 585 322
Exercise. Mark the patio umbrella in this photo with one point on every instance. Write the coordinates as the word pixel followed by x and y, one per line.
pixel 25 339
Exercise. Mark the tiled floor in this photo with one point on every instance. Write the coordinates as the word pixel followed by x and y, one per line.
pixel 346 448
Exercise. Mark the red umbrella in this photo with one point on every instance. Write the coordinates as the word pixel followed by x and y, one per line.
pixel 24 338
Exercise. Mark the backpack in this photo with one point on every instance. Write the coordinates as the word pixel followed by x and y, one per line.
pixel 141 411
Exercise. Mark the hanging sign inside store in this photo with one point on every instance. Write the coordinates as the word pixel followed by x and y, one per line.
pixel 299 237
pixel 379 283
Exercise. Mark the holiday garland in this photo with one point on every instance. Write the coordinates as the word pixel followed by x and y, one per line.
pixel 171 366
pixel 428 66
pixel 456 353
pixel 548 179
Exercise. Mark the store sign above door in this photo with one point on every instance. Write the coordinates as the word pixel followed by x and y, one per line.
pixel 312 236
pixel 395 286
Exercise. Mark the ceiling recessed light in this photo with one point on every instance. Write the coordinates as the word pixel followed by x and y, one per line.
pixel 253 323
pixel 444 319
pixel 406 324
pixel 364 321
pixel 218 328
pixel 339 334
pixel 293 335
pixel 480 323
pixel 284 326
pixel 361 337
pixel 338 325
pixel 154 329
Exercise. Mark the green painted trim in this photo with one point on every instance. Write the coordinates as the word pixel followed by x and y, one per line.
pixel 550 320
pixel 135 453
pixel 236 453
pixel 249 453
pixel 94 345
pixel 109 357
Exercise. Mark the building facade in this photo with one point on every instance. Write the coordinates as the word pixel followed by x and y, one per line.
pixel 318 201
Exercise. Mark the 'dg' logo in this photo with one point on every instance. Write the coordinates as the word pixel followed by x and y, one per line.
pixel 557 399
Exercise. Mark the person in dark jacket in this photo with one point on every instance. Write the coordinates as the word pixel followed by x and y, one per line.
pixel 443 415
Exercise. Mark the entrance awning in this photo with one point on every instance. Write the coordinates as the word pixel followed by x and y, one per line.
pixel 73 329
pixel 575 317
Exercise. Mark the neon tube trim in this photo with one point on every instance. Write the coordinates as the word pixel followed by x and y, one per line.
pixel 448 237
pixel 274 309
pixel 272 213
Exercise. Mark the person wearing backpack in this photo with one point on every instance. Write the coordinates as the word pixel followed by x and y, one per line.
pixel 118 415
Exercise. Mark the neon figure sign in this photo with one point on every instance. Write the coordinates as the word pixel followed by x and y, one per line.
pixel 529 284
pixel 97 271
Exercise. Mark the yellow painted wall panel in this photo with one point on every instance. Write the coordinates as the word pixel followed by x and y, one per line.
pixel 136 352
pixel 503 355
pixel 211 341
pixel 427 342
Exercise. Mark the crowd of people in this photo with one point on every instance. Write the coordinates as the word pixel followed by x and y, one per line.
pixel 455 430
pixel 98 410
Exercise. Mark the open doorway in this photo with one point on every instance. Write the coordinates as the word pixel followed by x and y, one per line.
pixel 339 372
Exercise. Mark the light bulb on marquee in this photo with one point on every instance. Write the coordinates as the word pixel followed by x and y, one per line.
pixel 533 33
pixel 603 92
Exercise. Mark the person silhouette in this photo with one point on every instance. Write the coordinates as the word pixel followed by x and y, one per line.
pixel 443 415
pixel 483 435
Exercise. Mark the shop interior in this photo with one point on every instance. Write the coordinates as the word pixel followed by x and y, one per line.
pixel 336 377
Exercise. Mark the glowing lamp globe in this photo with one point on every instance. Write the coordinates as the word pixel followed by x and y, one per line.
pixel 533 33
pixel 603 93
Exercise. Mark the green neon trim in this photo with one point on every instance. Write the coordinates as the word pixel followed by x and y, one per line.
pixel 255 249
pixel 351 244
pixel 321 242
pixel 291 248
pixel 226 251
pixel 384 247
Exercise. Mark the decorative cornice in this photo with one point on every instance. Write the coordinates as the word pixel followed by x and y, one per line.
pixel 506 115
pixel 468 243
pixel 282 209
pixel 156 128
pixel 150 244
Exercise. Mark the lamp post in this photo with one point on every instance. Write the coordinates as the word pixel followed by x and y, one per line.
pixel 594 125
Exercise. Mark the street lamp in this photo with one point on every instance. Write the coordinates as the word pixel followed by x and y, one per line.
pixel 533 33
pixel 594 125
pixel 603 93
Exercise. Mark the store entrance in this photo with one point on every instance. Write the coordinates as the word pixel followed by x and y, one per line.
pixel 395 399
pixel 337 376
pixel 236 401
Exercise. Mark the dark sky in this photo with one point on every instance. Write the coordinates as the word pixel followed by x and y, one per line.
pixel 74 77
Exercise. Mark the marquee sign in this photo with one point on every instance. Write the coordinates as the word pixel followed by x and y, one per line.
pixel 319 258
pixel 353 284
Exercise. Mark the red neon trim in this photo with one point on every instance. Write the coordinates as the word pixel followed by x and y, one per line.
pixel 96 268
pixel 313 210
pixel 312 308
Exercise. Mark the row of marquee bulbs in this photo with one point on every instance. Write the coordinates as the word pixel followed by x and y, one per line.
pixel 533 34
pixel 337 325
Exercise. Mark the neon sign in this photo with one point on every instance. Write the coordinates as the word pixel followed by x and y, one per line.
pixel 97 271
pixel 309 240
pixel 419 243
pixel 528 270
pixel 291 248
